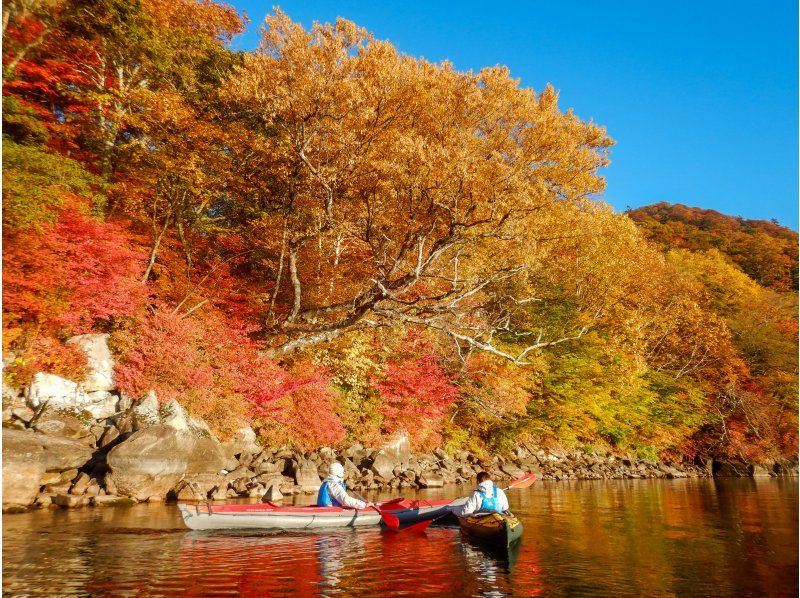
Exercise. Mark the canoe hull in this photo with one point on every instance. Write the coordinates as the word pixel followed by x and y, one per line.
pixel 203 520
pixel 494 529
pixel 269 516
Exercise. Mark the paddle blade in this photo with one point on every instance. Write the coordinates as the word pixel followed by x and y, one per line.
pixel 420 527
pixel 391 521
pixel 524 481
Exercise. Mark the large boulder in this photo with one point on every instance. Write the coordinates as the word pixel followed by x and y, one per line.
pixel 153 460
pixel 60 394
pixel 383 465
pixel 149 463
pixel 397 447
pixel 99 361
pixel 206 457
pixel 23 467
pixel 27 456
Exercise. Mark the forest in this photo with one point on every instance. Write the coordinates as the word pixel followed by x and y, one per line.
pixel 333 241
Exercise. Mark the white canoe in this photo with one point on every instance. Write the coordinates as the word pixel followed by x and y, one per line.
pixel 271 516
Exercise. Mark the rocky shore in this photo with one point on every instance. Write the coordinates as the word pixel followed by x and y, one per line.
pixel 68 444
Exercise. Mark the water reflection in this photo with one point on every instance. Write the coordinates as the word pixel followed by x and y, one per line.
pixel 653 538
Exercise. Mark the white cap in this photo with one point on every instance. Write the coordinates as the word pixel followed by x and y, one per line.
pixel 336 469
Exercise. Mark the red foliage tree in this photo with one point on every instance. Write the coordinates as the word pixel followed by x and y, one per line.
pixel 71 274
pixel 416 393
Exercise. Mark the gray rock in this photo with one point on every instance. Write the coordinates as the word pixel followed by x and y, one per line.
pixel 149 463
pixel 62 394
pixel 62 424
pixel 110 435
pixel 100 362
pixel 23 413
pixel 23 467
pixel 428 480
pixel 383 465
pixel 80 484
pixel 272 493
pixel 145 412
pixel 306 476
pixel 205 456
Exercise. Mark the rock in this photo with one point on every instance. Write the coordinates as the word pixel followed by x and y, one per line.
pixel 431 481
pixel 93 489
pixel 244 440
pixel 103 404
pixel 110 435
pixel 44 500
pixel 23 467
pixel 61 394
pixel 49 477
pixel 100 362
pixel 12 397
pixel 62 424
pixel 190 491
pixel 70 500
pixel 80 484
pixel 23 413
pixel 272 493
pixel 149 463
pixel 205 482
pixel 111 500
pixel 125 402
pixel 205 457
pixel 145 412
pixel 306 476
pixel 383 465
pixel 175 416
pixel 511 470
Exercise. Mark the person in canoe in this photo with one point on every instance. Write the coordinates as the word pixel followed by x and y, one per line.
pixel 486 498
pixel 333 492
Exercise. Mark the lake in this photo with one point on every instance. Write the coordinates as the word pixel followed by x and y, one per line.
pixel 695 537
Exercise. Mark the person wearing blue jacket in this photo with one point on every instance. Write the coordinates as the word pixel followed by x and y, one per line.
pixel 486 498
pixel 333 492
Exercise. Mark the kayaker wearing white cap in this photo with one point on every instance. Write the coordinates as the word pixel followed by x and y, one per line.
pixel 487 498
pixel 333 492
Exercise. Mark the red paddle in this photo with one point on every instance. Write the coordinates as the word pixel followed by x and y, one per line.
pixel 391 521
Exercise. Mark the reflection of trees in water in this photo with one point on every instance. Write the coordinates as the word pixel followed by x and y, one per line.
pixel 641 537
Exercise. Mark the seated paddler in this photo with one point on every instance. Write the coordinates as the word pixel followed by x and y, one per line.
pixel 333 492
pixel 486 498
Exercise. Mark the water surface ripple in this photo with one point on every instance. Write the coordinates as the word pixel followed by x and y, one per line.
pixel 614 538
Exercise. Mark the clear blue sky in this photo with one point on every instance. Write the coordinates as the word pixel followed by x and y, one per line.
pixel 700 96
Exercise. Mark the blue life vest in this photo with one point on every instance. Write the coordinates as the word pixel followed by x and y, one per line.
pixel 324 498
pixel 490 503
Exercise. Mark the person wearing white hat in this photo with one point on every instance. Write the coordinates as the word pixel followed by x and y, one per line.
pixel 333 492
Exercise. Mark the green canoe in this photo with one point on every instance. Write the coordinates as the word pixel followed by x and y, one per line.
pixel 497 529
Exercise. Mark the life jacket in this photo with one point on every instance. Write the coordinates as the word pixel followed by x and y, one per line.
pixel 490 503
pixel 324 498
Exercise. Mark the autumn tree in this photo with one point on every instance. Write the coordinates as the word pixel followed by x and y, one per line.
pixel 401 185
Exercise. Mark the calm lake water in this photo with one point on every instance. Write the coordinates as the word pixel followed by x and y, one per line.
pixel 615 538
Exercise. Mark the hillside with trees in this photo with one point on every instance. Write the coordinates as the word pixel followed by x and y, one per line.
pixel 334 241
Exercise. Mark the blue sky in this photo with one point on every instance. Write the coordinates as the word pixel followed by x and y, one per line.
pixel 700 96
